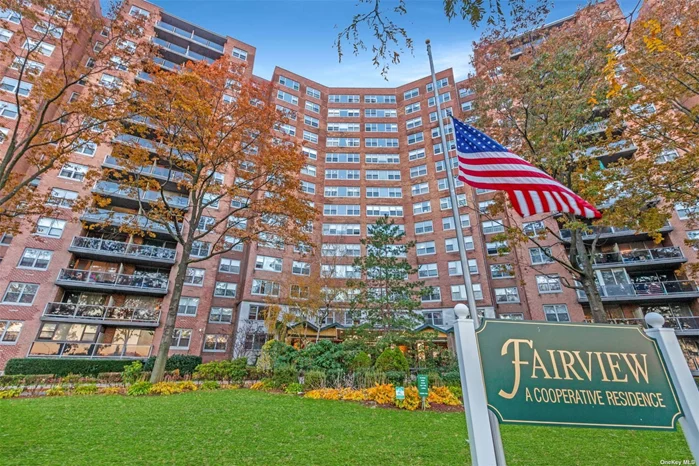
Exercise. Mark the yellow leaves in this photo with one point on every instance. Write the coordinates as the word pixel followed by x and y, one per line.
pixel 592 101
pixel 677 31
pixel 654 44
pixel 653 26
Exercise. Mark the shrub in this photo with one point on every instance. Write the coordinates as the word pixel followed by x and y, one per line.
pixel 164 388
pixel 210 385
pixel 370 378
pixel 451 378
pixel 109 377
pixel 361 361
pixel 293 388
pixel 230 386
pixel 111 391
pixel 275 353
pixel 444 396
pixel 395 377
pixel 63 367
pixel 172 376
pixel 11 380
pixel 11 393
pixel 262 385
pixel 86 389
pixel 139 389
pixel 412 400
pixel 235 370
pixel 434 379
pixel 71 378
pixel 55 391
pixel 132 372
pixel 456 391
pixel 323 355
pixel 284 376
pixel 185 363
pixel 382 394
pixel 323 394
pixel 253 373
pixel 187 386
pixel 349 394
pixel 392 360
pixel 313 380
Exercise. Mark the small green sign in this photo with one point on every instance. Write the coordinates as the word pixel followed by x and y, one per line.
pixel 422 385
pixel 591 375
pixel 400 393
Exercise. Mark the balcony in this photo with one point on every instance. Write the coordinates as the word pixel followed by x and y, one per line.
pixel 180 52
pixel 121 219
pixel 594 128
pixel 683 325
pixel 71 349
pixel 128 197
pixel 87 280
pixel 680 290
pixel 170 178
pixel 613 151
pixel 191 36
pixel 640 258
pixel 101 249
pixel 167 64
pixel 92 313
pixel 618 234
pixel 151 146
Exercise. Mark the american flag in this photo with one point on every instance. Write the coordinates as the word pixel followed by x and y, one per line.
pixel 485 164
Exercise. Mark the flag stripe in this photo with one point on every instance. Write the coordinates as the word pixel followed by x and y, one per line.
pixel 485 164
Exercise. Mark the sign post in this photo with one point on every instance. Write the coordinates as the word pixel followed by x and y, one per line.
pixel 400 393
pixel 423 388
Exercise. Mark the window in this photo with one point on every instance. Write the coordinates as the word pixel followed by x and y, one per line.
pixel 507 295
pixel 437 149
pixel 693 238
pixel 502 271
pixel 384 192
pixel 343 112
pixel 446 113
pixel 85 148
pixel 215 343
pixel 540 255
pixel 341 229
pixel 416 154
pixel 427 271
pixel 412 108
pixel 10 15
pixel 467 106
pixel 484 206
pixel 465 91
pixel 420 170
pixel 339 271
pixel 62 198
pixel 340 157
pixel 312 107
pixel 110 82
pixel 548 284
pixel 448 222
pixel 444 82
pixel 20 293
pixel 379 99
pixel 341 191
pixel 426 248
pixel 445 202
pixel 200 248
pixel 309 170
pixel 556 313
pixel 181 338
pixel 12 85
pixel 341 250
pixel 5 35
pixel 496 248
pixel 451 244
pixel 290 83
pixel 384 211
pixel 448 129
pixel 343 99
pixel 349 210
pixel 225 290
pixel 136 11
pixel 255 341
pixel 492 226
pixel 414 123
pixel 439 166
pixel 310 137
pixel 240 54
pixel 312 122
pixel 381 142
pixel 414 138
pixel 458 292
pixel 257 312
pixel 315 93
pixel 43 27
pixel 265 287
pixel 380 127
pixel 9 331
pixel 433 318
pixel 8 110
pixel 270 264
pixel 382 158
pixel 667 155
pixel 286 97
pixel 309 188
pixel 379 113
pixel 424 227
pixel 684 212
pixel 420 188
pixel 534 229
pixel 194 277
pixel 35 259
pixel 51 227
pixel 30 66
pixel 301 268
pixel 221 315
pixel 187 306
pixel 342 142
pixel 455 268
pixel 411 93
pixel 310 153
pixel 229 265
pixel 434 294
pixel 382 175
pixel 299 292
pixel 41 47
pixel 443 97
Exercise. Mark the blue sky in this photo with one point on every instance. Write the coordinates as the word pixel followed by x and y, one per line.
pixel 298 35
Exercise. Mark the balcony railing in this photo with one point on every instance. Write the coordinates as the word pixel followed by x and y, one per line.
pixel 191 35
pixel 679 323
pixel 122 249
pixel 71 349
pixel 596 127
pixel 645 290
pixel 110 188
pixel 639 256
pixel 161 173
pixel 119 314
pixel 151 146
pixel 111 217
pixel 609 231
pixel 184 51
pixel 141 282
pixel 167 64
pixel 616 147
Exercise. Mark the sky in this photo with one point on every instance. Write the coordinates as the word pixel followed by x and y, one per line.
pixel 298 35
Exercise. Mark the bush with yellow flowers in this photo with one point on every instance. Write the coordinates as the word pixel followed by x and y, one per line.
pixel 187 386
pixel 382 394
pixel 164 388
pixel 444 396
pixel 412 400
pixel 350 394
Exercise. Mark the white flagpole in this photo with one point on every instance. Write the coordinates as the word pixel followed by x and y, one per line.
pixel 494 424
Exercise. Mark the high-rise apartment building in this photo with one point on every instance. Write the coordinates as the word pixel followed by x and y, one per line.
pixel 72 291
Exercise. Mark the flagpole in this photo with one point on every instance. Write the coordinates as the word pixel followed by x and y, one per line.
pixel 471 299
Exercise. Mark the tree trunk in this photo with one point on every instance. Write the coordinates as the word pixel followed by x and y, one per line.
pixel 599 315
pixel 164 347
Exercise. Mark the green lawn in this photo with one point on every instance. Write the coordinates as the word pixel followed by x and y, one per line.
pixel 247 427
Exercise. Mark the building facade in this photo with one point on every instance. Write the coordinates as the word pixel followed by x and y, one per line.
pixel 74 291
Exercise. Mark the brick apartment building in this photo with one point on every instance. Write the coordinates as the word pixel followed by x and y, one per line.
pixel 71 291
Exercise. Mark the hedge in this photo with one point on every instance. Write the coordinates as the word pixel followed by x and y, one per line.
pixel 186 363
pixel 63 367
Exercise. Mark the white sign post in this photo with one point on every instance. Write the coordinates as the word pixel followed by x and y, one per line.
pixel 473 390
pixel 681 377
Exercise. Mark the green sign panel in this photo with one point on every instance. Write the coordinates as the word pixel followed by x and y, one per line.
pixel 569 374
pixel 400 393
pixel 422 385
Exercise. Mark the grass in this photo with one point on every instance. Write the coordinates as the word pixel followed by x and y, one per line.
pixel 246 427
